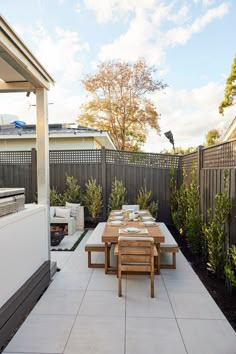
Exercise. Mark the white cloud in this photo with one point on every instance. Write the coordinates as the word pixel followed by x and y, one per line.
pixel 208 2
pixel 78 7
pixel 146 38
pixel 134 43
pixel 189 115
pixel 61 52
pixel 112 10
pixel 181 35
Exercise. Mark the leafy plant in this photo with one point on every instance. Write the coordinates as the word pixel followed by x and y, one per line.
pixel 117 195
pixel 230 268
pixel 153 208
pixel 173 193
pixel 92 198
pixel 179 205
pixel 143 199
pixel 56 198
pixel 215 230
pixel 193 222
pixel 72 193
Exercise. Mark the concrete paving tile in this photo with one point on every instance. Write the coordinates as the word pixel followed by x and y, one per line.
pixel 101 281
pixel 140 304
pixel 102 303
pixel 59 302
pixel 141 283
pixel 100 335
pixel 42 334
pixel 60 257
pixel 70 281
pixel 195 305
pixel 208 336
pixel 153 335
pixel 186 285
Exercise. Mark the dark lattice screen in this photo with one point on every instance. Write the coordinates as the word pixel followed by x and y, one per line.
pixel 75 156
pixel 15 157
pixel 222 155
pixel 189 160
pixel 142 159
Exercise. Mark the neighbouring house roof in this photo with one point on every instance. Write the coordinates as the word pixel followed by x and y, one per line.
pixel 28 131
pixel 230 132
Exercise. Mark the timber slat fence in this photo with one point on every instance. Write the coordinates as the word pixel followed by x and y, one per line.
pixel 18 169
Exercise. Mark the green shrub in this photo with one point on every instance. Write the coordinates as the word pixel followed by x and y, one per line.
pixel 143 199
pixel 179 205
pixel 153 208
pixel 193 222
pixel 117 195
pixel 92 198
pixel 56 198
pixel 72 193
pixel 230 268
pixel 214 230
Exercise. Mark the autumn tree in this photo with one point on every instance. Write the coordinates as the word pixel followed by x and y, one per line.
pixel 230 89
pixel 212 137
pixel 118 102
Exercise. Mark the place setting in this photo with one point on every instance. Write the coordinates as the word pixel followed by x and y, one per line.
pixel 133 230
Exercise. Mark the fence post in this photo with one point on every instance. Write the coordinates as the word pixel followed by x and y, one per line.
pixel 104 183
pixel 34 174
pixel 199 167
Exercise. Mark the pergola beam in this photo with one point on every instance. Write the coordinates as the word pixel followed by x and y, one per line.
pixel 16 87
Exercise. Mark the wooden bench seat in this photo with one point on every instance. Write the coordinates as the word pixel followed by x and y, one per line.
pixel 169 246
pixel 95 244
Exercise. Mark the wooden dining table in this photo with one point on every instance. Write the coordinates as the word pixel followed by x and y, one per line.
pixel 112 232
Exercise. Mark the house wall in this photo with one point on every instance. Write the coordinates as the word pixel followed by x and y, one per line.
pixel 22 144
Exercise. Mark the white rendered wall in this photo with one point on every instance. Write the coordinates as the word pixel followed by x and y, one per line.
pixel 23 248
pixel 22 144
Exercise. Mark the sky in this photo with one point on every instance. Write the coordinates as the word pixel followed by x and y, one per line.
pixel 191 42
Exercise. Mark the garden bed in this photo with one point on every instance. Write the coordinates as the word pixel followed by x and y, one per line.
pixel 225 300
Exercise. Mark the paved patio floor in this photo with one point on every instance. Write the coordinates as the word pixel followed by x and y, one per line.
pixel 81 313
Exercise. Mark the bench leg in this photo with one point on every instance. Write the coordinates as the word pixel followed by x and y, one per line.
pixel 172 265
pixel 174 260
pixel 89 259
pixel 93 265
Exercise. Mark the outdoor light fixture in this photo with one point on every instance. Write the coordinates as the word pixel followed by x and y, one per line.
pixel 170 137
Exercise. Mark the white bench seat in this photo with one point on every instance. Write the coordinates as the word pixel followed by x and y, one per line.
pixel 95 244
pixel 169 246
pixel 70 221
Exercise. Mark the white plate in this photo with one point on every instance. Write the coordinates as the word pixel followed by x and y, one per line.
pixel 145 218
pixel 116 213
pixel 117 218
pixel 141 212
pixel 149 222
pixel 132 229
pixel 117 222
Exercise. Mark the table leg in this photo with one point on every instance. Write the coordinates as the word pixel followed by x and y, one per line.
pixel 106 257
pixel 158 258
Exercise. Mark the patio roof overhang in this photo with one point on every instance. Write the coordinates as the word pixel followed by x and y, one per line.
pixel 20 71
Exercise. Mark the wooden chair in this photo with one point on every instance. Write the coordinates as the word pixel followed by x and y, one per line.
pixel 135 254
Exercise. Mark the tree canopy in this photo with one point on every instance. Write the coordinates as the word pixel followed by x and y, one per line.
pixel 179 150
pixel 230 89
pixel 118 102
pixel 212 137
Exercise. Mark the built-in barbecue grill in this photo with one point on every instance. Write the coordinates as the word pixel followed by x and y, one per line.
pixel 12 200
